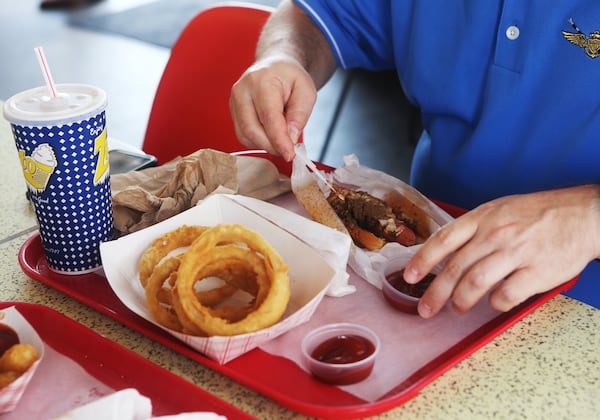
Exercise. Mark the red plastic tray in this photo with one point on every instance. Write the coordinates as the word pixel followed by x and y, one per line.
pixel 120 368
pixel 273 376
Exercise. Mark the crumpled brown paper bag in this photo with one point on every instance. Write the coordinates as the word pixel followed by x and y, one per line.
pixel 143 198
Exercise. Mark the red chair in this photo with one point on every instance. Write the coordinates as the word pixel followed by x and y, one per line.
pixel 191 106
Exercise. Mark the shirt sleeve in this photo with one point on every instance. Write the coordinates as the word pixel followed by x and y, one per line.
pixel 358 31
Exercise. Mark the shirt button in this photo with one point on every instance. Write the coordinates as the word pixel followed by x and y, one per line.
pixel 512 32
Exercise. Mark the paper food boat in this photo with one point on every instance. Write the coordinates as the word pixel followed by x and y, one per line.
pixel 11 394
pixel 311 270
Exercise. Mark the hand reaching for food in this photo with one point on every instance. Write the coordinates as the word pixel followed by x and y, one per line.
pixel 514 247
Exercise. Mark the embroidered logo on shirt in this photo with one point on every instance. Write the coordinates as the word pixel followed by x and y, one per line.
pixel 590 44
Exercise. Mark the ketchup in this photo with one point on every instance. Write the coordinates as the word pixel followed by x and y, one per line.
pixel 396 279
pixel 340 350
pixel 8 338
pixel 343 349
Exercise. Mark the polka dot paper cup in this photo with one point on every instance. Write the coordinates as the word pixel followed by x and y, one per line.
pixel 62 145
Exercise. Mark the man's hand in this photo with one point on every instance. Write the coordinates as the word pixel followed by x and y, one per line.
pixel 272 101
pixel 270 105
pixel 515 247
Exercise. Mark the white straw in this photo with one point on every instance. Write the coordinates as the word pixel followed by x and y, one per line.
pixel 39 52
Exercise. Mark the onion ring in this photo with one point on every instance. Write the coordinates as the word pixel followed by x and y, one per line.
pixel 230 263
pixel 151 270
pixel 228 270
pixel 273 289
pixel 160 247
pixel 160 301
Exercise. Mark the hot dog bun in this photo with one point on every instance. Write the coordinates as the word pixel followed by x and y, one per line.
pixel 314 202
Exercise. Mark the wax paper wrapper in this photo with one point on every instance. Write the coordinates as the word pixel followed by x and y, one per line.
pixel 11 394
pixel 127 404
pixel 317 257
pixel 143 198
pixel 410 345
pixel 369 264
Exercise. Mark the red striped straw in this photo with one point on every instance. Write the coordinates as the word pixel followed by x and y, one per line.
pixel 39 52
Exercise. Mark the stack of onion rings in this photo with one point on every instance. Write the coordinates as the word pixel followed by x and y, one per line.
pixel 240 258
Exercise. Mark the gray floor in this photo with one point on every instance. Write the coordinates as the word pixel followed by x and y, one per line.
pixel 374 122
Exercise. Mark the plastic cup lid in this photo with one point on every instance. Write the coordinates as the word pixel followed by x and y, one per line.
pixel 37 107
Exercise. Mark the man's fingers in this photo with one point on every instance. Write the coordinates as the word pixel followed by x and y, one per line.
pixel 300 104
pixel 438 247
pixel 514 290
pixel 481 277
pixel 261 123
pixel 271 103
pixel 248 128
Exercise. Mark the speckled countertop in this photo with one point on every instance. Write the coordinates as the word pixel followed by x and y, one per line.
pixel 545 366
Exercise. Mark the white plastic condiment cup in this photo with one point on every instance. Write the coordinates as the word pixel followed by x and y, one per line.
pixel 339 373
pixel 402 301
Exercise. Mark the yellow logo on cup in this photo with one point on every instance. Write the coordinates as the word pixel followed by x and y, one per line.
pixel 101 149
pixel 38 167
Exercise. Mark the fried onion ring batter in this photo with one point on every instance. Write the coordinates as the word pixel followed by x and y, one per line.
pixel 240 259
pixel 273 288
pixel 160 247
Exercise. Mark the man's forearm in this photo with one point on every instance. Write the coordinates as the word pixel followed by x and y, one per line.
pixel 291 33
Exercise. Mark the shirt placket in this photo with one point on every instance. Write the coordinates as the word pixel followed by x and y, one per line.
pixel 511 35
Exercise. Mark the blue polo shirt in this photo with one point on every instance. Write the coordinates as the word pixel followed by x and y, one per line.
pixel 509 91
pixel 509 103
